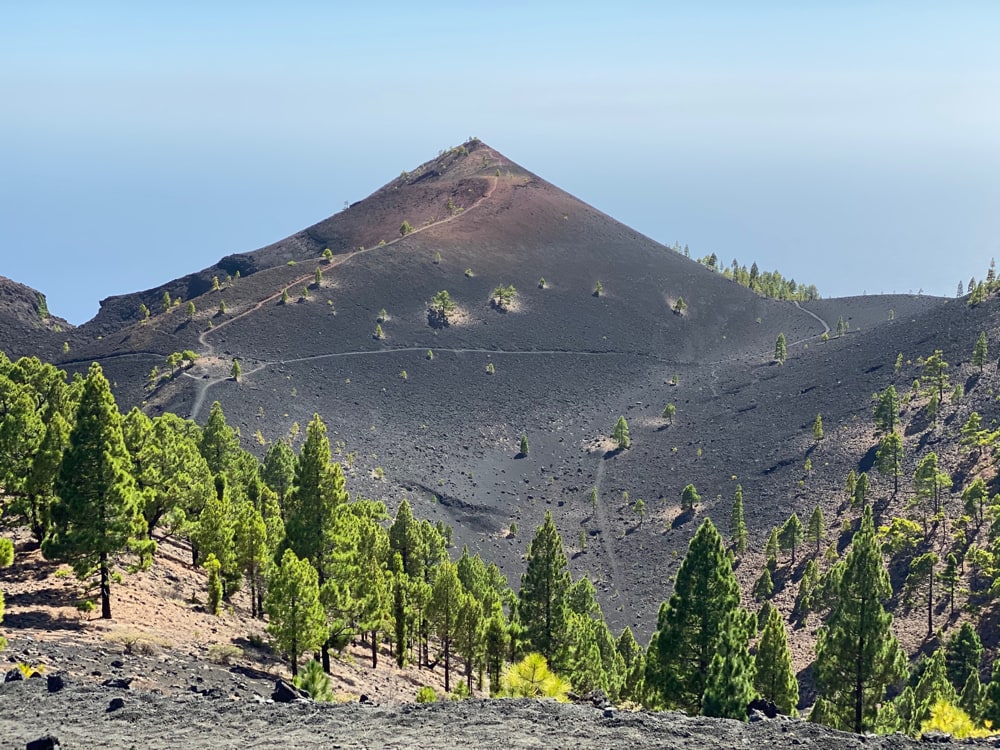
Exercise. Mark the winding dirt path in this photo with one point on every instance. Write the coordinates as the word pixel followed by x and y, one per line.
pixel 810 313
pixel 207 350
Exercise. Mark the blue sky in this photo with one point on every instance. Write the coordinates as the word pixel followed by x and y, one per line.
pixel 851 145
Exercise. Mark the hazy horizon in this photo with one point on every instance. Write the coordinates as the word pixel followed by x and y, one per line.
pixel 854 148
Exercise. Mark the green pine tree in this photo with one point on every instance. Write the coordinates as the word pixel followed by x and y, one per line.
pixel 542 607
pixel 97 514
pixel 780 349
pixel 790 535
pixel 818 428
pixel 963 655
pixel 979 353
pixel 816 529
pixel 621 435
pixel 857 655
pixel 889 458
pixel 775 680
pixel 690 626
pixel 738 523
pixel 297 620
pixel 443 610
pixel 689 497
pixel 887 411
pixel 764 586
pixel 214 585
pixel 730 684
pixel 771 549
pixel 935 372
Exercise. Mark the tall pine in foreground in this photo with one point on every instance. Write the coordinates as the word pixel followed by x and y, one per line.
pixel 297 621
pixel 774 679
pixel 97 513
pixel 857 656
pixel 542 608
pixel 690 627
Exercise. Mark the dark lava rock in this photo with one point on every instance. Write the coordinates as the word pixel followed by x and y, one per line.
pixel 13 675
pixel 765 707
pixel 117 664
pixel 48 742
pixel 115 704
pixel 285 692
pixel 55 682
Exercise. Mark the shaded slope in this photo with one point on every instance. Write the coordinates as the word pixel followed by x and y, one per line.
pixel 26 326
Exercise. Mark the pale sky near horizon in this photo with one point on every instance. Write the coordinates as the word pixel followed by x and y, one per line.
pixel 853 145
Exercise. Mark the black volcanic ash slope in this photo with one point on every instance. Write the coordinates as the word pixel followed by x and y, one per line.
pixel 418 414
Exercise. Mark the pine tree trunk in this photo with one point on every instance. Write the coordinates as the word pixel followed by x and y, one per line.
pixel 105 588
pixel 295 657
pixel 447 665
pixel 930 605
pixel 324 651
pixel 374 649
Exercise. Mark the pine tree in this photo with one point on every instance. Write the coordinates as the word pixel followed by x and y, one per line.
pixel 857 655
pixel 775 680
pixel 690 626
pixel 668 413
pixel 818 428
pixel 214 584
pixel 790 535
pixel 963 655
pixel 887 411
pixel 524 445
pixel 297 621
pixel 97 514
pixel 807 588
pixel 251 548
pixel 213 533
pixel 219 444
pixel 932 687
pixel 861 490
pixel 930 485
pixel 278 471
pixel 889 458
pixel 236 371
pixel 632 656
pixel 730 684
pixel 405 538
pixel 541 607
pixel 935 372
pixel 973 696
pixel 980 352
pixel 950 577
pixel 816 529
pixel 764 586
pixel 621 435
pixel 850 484
pixel 443 610
pixel 738 523
pixel 991 699
pixel 689 497
pixel 780 349
pixel 771 549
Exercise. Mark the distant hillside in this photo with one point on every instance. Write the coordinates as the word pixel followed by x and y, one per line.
pixel 26 324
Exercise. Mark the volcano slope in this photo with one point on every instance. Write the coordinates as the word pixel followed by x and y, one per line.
pixel 434 413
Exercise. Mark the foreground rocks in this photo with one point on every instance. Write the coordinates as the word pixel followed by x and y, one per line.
pixel 78 716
